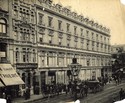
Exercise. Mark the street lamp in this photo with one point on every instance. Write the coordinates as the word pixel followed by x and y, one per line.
pixel 75 69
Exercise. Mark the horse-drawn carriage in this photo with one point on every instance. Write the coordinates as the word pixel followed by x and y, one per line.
pixel 81 89
pixel 95 86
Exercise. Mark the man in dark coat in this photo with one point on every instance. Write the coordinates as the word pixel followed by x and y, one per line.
pixel 121 94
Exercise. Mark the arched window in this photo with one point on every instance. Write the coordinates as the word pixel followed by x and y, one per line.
pixel 3 25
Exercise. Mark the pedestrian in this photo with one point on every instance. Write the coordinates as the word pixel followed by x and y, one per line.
pixel 28 92
pixel 25 93
pixel 86 90
pixel 66 89
pixel 121 94
pixel 9 100
pixel 4 95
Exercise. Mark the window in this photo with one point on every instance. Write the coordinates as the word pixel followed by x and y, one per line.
pixel 88 62
pixel 40 40
pixel 68 43
pixel 75 30
pixel 92 35
pixel 16 35
pixel 33 38
pixel 81 32
pixel 104 39
pixel 97 37
pixel 40 19
pixel 27 55
pixel 97 46
pixel 47 58
pixel 82 43
pixel 34 55
pixel 28 37
pixel 23 37
pixel 87 44
pixel 101 38
pixel 87 33
pixel 3 26
pixel 59 25
pixel 50 39
pixel 17 55
pixel 68 27
pixel 50 21
pixel 75 44
pixel 32 19
pixel 24 54
pixel 60 41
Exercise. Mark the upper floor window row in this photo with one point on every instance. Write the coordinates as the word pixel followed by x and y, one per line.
pixel 23 10
pixel 68 27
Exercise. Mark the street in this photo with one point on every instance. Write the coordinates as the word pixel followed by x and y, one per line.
pixel 105 96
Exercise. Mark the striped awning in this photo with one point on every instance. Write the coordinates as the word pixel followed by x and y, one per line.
pixel 9 76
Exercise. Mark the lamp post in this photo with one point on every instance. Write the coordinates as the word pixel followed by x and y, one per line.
pixel 75 69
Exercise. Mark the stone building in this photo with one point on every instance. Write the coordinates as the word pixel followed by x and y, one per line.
pixel 46 36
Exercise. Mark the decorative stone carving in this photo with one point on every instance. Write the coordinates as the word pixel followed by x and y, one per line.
pixel 41 30
pixel 50 32
pixel 60 35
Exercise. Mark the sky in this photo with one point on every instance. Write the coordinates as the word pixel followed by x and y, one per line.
pixel 109 13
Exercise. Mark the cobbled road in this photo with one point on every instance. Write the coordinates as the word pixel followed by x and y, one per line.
pixel 105 96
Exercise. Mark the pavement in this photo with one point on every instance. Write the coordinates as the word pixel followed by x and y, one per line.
pixel 40 97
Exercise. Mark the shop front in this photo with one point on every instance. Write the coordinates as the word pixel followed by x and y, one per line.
pixel 10 78
pixel 29 74
pixel 60 77
pixel 51 77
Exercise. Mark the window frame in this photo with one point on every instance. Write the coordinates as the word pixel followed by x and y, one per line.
pixel 3 25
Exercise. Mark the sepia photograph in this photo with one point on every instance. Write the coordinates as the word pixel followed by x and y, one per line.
pixel 62 51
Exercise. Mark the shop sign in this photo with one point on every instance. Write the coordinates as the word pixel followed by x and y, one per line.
pixel 26 65
pixel 2 54
pixel 9 75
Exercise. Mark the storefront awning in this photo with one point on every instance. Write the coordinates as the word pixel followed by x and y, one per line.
pixel 9 75
pixel 1 84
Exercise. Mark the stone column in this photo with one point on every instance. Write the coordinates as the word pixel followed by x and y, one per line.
pixel 46 77
pixel 56 77
pixel 56 56
pixel 46 60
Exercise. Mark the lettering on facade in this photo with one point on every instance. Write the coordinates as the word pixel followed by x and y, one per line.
pixel 26 65
pixel 8 75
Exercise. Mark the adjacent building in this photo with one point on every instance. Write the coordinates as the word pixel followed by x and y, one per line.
pixel 44 37
pixel 118 58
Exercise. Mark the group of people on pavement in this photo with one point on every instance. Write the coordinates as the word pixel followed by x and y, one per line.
pixel 6 95
pixel 54 89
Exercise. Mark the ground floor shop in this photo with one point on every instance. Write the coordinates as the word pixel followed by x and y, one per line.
pixel 10 80
pixel 29 74
pixel 50 76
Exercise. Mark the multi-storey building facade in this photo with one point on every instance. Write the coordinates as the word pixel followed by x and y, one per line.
pixel 46 36
pixel 63 34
